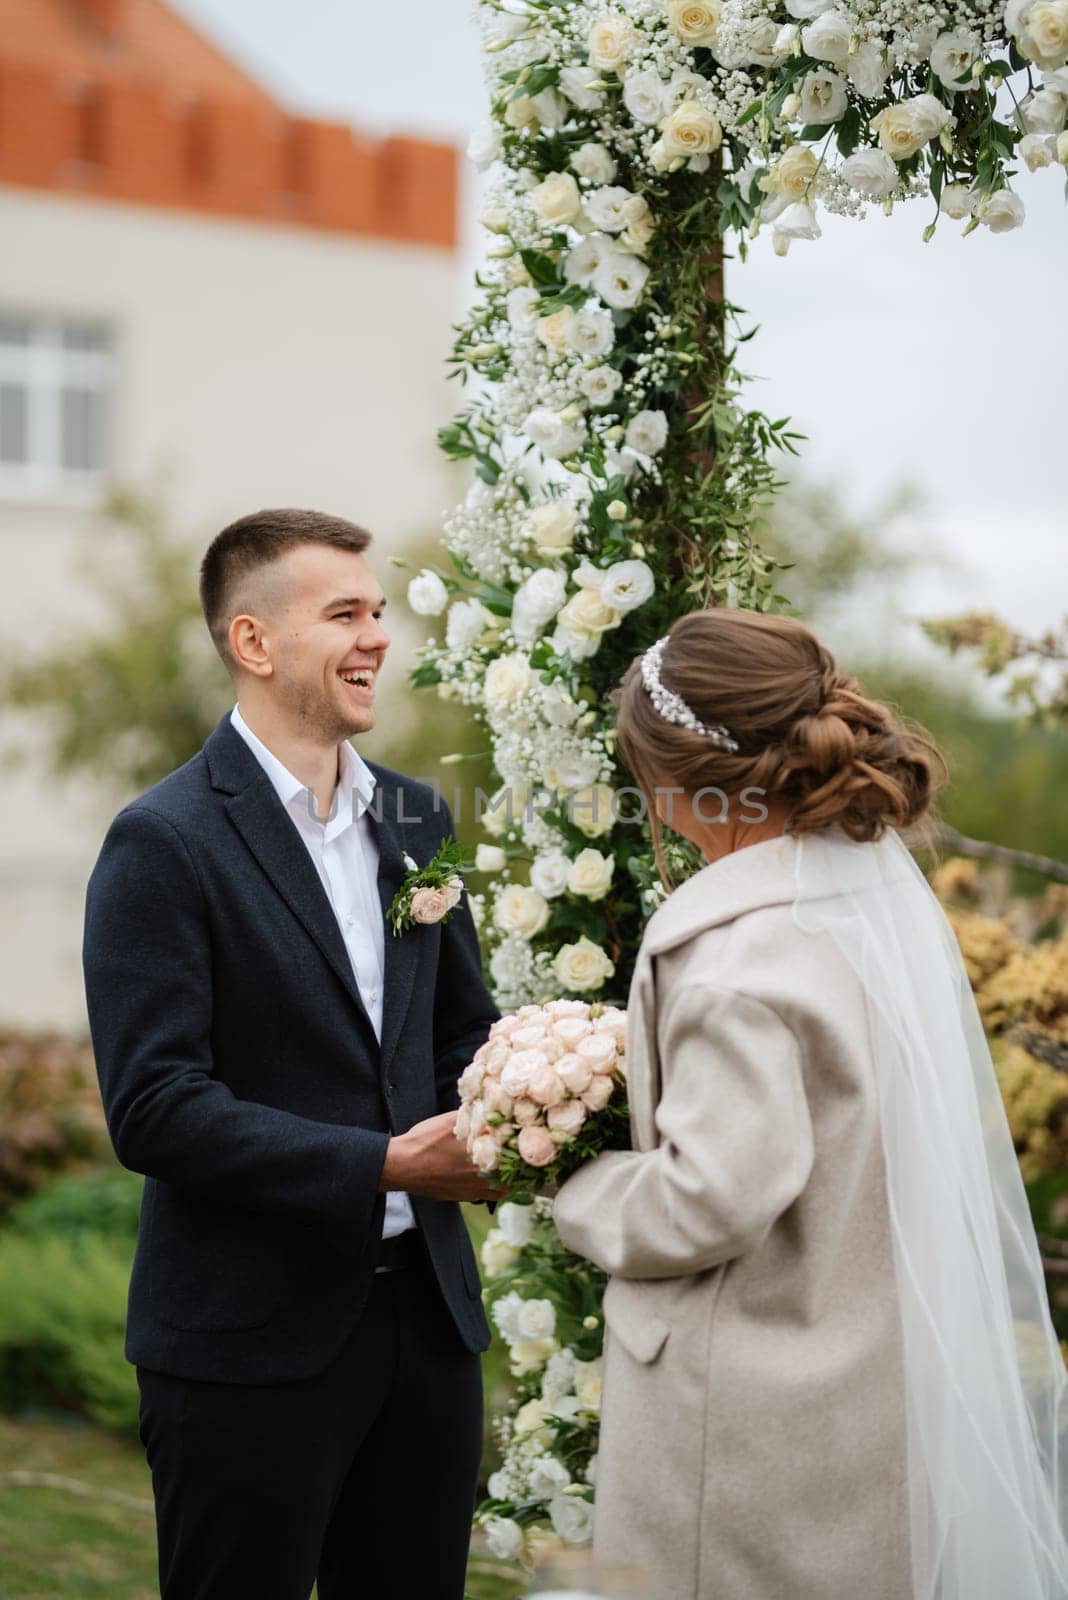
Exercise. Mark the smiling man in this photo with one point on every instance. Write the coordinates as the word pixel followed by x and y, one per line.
pixel 304 1312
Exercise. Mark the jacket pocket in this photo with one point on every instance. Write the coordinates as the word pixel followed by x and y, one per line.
pixel 632 1321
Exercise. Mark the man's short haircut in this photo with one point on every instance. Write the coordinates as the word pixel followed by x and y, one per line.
pixel 255 541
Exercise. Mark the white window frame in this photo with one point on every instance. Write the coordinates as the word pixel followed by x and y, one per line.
pixel 45 368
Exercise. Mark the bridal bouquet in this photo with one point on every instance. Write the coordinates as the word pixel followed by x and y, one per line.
pixel 546 1092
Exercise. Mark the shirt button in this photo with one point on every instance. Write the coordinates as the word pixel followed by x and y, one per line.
pixel 350 922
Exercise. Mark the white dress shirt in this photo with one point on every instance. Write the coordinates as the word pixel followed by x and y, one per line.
pixel 346 859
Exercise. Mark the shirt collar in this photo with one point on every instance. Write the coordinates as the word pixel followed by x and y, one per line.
pixel 354 776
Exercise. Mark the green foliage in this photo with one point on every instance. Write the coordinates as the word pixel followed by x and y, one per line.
pixel 72 1208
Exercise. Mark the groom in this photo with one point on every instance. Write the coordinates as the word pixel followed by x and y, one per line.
pixel 305 1313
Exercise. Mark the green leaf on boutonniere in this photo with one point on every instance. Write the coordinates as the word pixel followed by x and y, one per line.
pixel 441 874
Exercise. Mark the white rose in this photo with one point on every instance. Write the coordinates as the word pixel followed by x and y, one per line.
pixel 643 96
pixel 557 200
pixel 496 1254
pixel 1044 111
pixel 490 858
pixel 1037 151
pixel 604 207
pixel 588 1384
pixel 591 874
pixel 690 130
pixel 600 385
pixel 507 680
pixel 537 600
pixel 647 432
pixel 554 436
pixel 952 57
pixel 620 279
pixel 522 307
pixel 521 112
pixel 466 622
pixel 626 585
pixel 694 21
pixel 824 98
pixel 791 175
pixel 537 1319
pixel 518 909
pixel 505 1539
pixel 552 330
pixel 579 646
pixel 516 1223
pixel 957 201
pixel 587 613
pixel 548 873
pixel 552 526
pixel 532 1420
pixel 1002 212
pixel 870 172
pixel 610 41
pixel 575 84
pixel 591 332
pixel 590 810
pixel 1062 148
pixel 903 129
pixel 547 1477
pixel 582 261
pixel 571 769
pixel 427 595
pixel 530 1355
pixel 484 146
pixel 798 222
pixel 828 37
pixel 595 162
pixel 571 1517
pixel 583 965
pixel 1040 30
pixel 866 70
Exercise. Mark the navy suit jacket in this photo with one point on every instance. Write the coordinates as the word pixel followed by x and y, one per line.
pixel 241 1074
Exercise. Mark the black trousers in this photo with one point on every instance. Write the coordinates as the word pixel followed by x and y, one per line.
pixel 362 1478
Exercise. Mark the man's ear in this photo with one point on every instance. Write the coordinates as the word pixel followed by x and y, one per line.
pixel 249 646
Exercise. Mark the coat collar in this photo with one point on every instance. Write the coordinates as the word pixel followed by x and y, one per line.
pixel 260 817
pixel 763 874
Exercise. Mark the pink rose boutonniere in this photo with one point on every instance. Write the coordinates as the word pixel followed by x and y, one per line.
pixel 429 893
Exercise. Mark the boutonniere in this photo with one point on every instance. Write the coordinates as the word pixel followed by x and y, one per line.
pixel 429 893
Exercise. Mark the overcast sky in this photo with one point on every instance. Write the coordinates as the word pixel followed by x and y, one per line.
pixel 943 365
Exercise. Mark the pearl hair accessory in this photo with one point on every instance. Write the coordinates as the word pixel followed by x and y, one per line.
pixel 672 707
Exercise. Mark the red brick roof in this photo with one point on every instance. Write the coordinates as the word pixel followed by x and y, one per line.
pixel 121 100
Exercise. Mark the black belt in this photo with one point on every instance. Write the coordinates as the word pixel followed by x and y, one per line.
pixel 401 1250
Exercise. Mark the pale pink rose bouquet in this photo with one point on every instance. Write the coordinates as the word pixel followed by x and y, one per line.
pixel 546 1093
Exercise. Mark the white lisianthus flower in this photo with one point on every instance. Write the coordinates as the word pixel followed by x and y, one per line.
pixel 521 910
pixel 647 432
pixel 521 304
pixel 610 41
pixel 903 129
pixel 595 162
pixel 508 678
pixel 536 603
pixel 867 70
pixel 591 874
pixel 626 585
pixel 1062 148
pixel 466 622
pixel 490 858
pixel 537 1319
pixel 871 172
pixel 578 644
pixel 505 1538
pixel 1037 150
pixel 485 145
pixel 547 1477
pixel 552 526
pixel 798 222
pixel 427 594
pixel 575 84
pixel 605 208
pixel 588 1383
pixel 572 1518
pixel 591 332
pixel 554 436
pixel 805 10
pixel 548 873
pixel 644 96
pixel 582 966
pixel 1044 110
pixel 505 1314
pixel 516 1223
pixel 551 108
pixel 556 200
pixel 952 57
pixel 619 280
pixel 582 261
pixel 600 385
pixel 824 98
pixel 496 1254
pixel 591 810
pixel 694 21
pixel 690 130
pixel 957 201
pixel 828 37
pixel 1002 212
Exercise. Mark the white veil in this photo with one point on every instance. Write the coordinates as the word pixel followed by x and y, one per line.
pixel 984 1377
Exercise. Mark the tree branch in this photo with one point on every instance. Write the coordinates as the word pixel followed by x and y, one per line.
pixel 982 849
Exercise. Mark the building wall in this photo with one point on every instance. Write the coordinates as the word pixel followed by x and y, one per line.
pixel 255 364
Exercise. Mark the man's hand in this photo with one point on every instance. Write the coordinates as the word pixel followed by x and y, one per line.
pixel 430 1160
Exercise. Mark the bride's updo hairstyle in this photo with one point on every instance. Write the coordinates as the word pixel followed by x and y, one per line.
pixel 804 732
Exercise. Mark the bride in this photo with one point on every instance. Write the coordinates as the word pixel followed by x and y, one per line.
pixel 830 1370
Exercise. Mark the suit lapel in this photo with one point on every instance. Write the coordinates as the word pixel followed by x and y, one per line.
pixel 401 951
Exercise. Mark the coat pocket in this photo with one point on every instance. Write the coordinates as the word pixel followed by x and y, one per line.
pixel 631 1320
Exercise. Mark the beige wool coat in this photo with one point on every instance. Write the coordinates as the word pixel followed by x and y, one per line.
pixel 753 1424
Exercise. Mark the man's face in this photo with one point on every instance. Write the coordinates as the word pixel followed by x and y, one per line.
pixel 321 609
